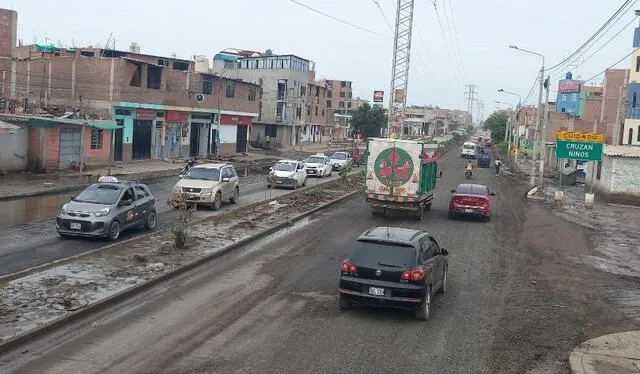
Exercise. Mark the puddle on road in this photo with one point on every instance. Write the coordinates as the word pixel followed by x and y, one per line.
pixel 30 209
pixel 43 207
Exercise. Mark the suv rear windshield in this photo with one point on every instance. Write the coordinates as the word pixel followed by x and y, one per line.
pixel 372 254
pixel 101 194
pixel 339 156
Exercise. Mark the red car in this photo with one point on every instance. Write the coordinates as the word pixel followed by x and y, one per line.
pixel 471 200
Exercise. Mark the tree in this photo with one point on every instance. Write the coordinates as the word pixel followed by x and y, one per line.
pixel 367 121
pixel 496 124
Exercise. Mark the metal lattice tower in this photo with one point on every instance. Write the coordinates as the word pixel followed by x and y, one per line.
pixel 400 66
pixel 471 97
pixel 480 111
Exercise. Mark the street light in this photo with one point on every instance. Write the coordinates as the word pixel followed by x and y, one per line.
pixel 510 134
pixel 539 121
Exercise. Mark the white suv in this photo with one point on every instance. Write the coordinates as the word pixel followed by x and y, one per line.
pixel 468 150
pixel 208 184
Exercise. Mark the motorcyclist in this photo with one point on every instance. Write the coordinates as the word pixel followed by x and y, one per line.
pixel 469 168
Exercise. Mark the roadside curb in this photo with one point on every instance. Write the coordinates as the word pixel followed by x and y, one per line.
pixel 214 218
pixel 618 353
pixel 122 295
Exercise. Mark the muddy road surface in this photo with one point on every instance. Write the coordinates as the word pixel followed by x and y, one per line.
pixel 518 302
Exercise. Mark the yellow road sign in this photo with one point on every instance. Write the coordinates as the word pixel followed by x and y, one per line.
pixel 576 136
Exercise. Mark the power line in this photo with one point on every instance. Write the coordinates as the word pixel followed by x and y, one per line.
pixel 446 44
pixel 456 45
pixel 335 18
pixel 624 5
pixel 609 40
pixel 610 66
pixel 383 15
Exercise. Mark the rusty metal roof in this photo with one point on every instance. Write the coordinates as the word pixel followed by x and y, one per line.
pixel 622 151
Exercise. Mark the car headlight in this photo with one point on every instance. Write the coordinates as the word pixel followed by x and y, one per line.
pixel 206 191
pixel 64 209
pixel 177 189
pixel 102 212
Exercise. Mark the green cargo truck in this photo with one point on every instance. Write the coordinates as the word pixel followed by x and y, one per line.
pixel 400 175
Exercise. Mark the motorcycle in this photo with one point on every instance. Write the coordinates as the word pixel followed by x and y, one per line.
pixel 191 162
pixel 467 174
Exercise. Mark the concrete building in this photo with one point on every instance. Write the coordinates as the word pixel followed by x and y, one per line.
pixel 616 178
pixel 283 101
pixel 319 117
pixel 631 131
pixel 164 106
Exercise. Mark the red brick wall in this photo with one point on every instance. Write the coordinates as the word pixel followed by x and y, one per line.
pixel 96 155
pixel 52 148
pixel 8 33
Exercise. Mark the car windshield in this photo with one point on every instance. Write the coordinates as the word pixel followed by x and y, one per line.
pixel 339 156
pixel 207 174
pixel 285 166
pixel 472 190
pixel 373 254
pixel 314 160
pixel 104 194
pixel 468 146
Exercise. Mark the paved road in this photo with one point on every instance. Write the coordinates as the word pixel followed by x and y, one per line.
pixel 36 243
pixel 517 303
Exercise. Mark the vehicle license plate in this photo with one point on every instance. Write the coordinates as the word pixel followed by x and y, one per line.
pixel 279 182
pixel 376 291
pixel 468 210
pixel 75 226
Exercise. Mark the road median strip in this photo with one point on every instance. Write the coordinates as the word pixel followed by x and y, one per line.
pixel 37 303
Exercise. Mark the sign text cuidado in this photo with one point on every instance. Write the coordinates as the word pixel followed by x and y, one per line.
pixel 595 137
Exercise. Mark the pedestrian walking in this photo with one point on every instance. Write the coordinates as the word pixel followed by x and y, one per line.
pixel 498 165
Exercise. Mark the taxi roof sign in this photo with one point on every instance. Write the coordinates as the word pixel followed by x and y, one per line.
pixel 107 179
pixel 577 136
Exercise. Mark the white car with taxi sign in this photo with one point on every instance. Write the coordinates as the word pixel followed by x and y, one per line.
pixel 318 165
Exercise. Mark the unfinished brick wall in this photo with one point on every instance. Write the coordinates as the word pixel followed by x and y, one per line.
pixel 8 32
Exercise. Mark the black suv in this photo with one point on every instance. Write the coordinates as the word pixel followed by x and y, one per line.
pixel 394 267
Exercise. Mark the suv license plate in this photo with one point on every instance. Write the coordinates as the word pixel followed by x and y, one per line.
pixel 468 210
pixel 376 291
pixel 75 226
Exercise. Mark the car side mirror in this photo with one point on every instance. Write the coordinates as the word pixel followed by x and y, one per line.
pixel 444 251
pixel 453 191
pixel 225 179
pixel 181 176
pixel 492 194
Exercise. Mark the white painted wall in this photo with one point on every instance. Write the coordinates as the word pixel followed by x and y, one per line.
pixel 625 175
pixel 13 149
pixel 228 133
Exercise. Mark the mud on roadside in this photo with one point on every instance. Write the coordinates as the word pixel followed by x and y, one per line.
pixel 34 300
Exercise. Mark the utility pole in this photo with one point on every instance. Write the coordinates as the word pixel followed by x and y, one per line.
pixel 471 97
pixel 604 99
pixel 400 66
pixel 616 133
pixel 538 125
pixel 543 133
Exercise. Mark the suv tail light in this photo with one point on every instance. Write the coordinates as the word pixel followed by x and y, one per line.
pixel 348 267
pixel 413 275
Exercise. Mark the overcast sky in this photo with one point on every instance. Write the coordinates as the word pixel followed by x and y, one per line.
pixel 477 35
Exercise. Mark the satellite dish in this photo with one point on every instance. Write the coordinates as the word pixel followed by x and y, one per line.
pixel 199 98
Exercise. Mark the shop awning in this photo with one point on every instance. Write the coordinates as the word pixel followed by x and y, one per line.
pixel 52 121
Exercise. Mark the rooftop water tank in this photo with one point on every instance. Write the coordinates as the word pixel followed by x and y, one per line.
pixel 202 64
pixel 569 75
pixel 268 52
pixel 134 48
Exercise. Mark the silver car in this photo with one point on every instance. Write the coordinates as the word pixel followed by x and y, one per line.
pixel 107 208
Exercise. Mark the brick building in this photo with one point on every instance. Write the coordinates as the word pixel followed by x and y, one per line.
pixel 164 106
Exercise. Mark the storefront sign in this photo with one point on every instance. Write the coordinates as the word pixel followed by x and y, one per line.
pixel 378 96
pixel 175 116
pixel 567 87
pixel 227 119
pixel 145 114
